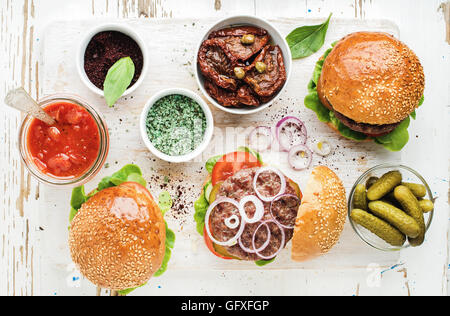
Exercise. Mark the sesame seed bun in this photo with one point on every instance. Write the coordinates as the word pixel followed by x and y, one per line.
pixel 117 239
pixel 372 78
pixel 321 216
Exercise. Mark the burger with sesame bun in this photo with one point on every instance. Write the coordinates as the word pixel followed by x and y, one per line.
pixel 366 87
pixel 249 211
pixel 118 237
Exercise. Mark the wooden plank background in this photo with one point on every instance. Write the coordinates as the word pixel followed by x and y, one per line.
pixel 422 25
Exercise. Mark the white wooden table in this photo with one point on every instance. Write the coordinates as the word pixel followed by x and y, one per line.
pixel 422 26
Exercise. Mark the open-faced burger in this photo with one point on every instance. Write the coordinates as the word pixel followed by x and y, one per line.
pixel 118 237
pixel 241 67
pixel 249 211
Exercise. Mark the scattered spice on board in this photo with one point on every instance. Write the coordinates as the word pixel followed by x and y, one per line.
pixel 176 125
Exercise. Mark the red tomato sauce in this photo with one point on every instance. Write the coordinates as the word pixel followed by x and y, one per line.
pixel 69 148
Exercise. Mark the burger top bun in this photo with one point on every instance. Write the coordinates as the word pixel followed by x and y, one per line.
pixel 321 216
pixel 117 239
pixel 372 78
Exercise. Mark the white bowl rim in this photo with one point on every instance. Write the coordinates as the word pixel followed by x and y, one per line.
pixel 209 127
pixel 287 61
pixel 118 27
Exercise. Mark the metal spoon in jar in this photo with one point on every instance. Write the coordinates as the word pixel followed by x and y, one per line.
pixel 20 100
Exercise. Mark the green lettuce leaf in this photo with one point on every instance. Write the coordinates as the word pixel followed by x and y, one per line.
pixel 262 263
pixel 396 140
pixel 165 202
pixel 212 162
pixel 312 102
pixel 170 242
pixel 201 207
pixel 251 151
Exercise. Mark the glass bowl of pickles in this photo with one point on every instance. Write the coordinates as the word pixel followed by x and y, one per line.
pixel 391 207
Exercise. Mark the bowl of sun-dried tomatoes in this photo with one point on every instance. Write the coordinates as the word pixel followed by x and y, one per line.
pixel 243 64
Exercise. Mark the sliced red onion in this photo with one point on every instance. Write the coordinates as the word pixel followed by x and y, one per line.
pixel 282 180
pixel 259 213
pixel 232 222
pixel 322 148
pixel 261 138
pixel 232 241
pixel 291 139
pixel 283 238
pixel 264 246
pixel 297 158
pixel 276 199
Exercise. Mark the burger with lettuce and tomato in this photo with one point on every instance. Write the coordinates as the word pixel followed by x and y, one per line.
pixel 367 87
pixel 247 210
pixel 118 237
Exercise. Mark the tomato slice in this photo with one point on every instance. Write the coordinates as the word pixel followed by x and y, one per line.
pixel 231 163
pixel 211 248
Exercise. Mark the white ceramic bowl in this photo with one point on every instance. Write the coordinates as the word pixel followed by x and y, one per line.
pixel 276 38
pixel 206 138
pixel 122 28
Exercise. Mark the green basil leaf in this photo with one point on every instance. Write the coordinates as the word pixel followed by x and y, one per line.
pixel 118 80
pixel 212 162
pixel 306 40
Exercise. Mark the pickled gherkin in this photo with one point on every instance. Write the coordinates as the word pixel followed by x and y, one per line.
pixel 426 205
pixel 396 217
pixel 411 205
pixel 384 185
pixel 371 181
pixel 418 190
pixel 360 198
pixel 379 227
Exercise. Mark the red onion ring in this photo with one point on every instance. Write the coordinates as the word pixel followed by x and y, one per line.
pixel 293 155
pixel 232 241
pixel 276 199
pixel 282 179
pixel 254 138
pixel 283 238
pixel 292 142
pixel 259 213
pixel 264 246
pixel 232 222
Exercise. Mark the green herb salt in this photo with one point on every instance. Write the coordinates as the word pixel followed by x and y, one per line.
pixel 176 125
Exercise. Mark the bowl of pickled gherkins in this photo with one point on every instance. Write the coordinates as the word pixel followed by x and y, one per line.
pixel 391 207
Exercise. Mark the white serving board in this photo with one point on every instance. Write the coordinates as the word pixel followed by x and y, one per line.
pixel 171 45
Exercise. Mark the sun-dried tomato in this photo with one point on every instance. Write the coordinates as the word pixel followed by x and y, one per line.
pixel 244 95
pixel 216 65
pixel 268 83
pixel 239 31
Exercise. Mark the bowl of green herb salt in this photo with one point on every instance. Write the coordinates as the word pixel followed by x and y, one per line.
pixel 176 125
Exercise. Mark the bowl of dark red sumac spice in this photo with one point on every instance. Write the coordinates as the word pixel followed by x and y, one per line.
pixel 102 47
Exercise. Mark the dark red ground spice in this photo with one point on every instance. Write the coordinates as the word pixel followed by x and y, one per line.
pixel 104 50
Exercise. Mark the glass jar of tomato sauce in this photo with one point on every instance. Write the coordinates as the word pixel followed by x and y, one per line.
pixel 69 153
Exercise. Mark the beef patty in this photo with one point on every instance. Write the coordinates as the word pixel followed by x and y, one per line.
pixel 368 129
pixel 239 186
